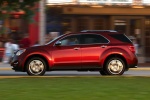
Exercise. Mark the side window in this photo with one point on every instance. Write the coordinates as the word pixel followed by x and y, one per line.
pixel 70 40
pixel 121 37
pixel 93 38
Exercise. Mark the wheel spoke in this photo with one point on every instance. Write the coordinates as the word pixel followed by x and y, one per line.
pixel 115 66
pixel 36 67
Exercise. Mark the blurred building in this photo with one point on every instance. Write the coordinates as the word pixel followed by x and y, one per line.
pixel 131 17
pixel 15 26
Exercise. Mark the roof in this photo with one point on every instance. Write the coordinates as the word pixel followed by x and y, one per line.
pixel 98 31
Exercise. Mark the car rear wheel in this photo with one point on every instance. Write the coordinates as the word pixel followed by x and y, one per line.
pixel 36 66
pixel 114 66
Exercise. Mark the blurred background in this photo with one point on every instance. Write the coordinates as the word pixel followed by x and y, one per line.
pixel 44 20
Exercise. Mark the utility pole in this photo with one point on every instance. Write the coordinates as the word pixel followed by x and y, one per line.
pixel 42 21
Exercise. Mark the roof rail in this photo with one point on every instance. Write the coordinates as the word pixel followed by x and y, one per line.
pixel 98 31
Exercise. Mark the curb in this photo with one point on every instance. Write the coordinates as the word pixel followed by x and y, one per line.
pixel 140 69
pixel 11 77
pixel 5 69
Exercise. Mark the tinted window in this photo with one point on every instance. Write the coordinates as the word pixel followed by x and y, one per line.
pixel 92 39
pixel 121 37
pixel 70 40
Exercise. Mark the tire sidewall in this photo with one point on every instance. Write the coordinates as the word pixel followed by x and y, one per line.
pixel 107 63
pixel 102 72
pixel 29 61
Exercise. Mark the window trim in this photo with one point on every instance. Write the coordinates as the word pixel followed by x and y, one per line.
pixel 96 43
pixel 65 37
pixel 120 40
pixel 80 39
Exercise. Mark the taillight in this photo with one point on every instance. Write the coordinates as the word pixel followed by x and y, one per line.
pixel 132 49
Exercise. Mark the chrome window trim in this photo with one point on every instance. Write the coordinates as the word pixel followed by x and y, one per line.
pixel 83 44
pixel 65 37
pixel 128 38
pixel 96 43
pixel 98 31
pixel 54 39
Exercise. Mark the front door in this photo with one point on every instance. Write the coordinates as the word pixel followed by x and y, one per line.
pixel 68 54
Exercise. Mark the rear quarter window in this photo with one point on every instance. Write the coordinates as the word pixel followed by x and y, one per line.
pixel 121 37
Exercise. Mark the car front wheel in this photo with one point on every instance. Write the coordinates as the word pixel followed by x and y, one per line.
pixel 36 66
pixel 102 72
pixel 114 66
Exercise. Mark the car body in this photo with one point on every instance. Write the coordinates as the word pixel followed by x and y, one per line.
pixel 106 51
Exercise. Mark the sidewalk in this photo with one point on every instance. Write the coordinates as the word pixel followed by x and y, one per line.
pixel 141 66
pixel 144 65
pixel 2 65
pixel 5 66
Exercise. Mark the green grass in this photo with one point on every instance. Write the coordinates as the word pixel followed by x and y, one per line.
pixel 79 88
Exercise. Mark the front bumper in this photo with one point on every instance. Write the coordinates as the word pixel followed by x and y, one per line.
pixel 14 62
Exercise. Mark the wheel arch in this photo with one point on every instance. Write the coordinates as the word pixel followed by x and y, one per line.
pixel 116 55
pixel 36 55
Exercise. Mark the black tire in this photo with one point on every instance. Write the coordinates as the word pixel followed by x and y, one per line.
pixel 102 72
pixel 114 66
pixel 34 65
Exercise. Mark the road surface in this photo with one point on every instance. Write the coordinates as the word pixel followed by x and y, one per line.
pixel 5 70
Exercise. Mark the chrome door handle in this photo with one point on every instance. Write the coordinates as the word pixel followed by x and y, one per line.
pixel 76 48
pixel 103 46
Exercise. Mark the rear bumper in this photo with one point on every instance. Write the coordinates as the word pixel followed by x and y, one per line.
pixel 133 63
pixel 133 66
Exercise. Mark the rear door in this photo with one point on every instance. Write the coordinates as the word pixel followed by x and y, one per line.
pixel 93 45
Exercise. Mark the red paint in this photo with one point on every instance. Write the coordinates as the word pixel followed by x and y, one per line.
pixel 16 16
pixel 66 55
pixel 2 50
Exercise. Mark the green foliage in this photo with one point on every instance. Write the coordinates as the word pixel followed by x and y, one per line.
pixel 28 6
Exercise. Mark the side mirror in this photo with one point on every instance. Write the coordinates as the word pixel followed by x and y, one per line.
pixel 58 43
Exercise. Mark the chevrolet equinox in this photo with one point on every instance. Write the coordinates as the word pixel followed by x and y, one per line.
pixel 106 51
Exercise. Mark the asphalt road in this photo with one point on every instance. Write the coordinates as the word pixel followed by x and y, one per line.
pixel 74 73
pixel 5 70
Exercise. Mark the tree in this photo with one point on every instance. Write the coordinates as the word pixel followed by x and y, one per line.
pixel 27 7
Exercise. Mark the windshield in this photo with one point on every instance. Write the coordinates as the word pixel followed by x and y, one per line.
pixel 54 39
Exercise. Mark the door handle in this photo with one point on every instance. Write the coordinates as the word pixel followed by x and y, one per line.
pixel 103 46
pixel 76 48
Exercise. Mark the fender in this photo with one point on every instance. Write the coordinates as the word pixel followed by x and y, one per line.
pixel 42 52
pixel 114 51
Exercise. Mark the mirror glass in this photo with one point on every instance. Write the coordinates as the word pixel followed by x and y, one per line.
pixel 58 43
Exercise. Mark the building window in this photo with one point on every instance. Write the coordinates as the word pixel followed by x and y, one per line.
pixel 147 27
pixel 99 24
pixel 66 24
pixel 120 25
pixel 82 24
pixel 147 37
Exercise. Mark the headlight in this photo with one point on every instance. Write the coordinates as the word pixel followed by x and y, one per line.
pixel 20 52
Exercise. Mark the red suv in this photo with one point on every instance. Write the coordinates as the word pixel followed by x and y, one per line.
pixel 106 51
